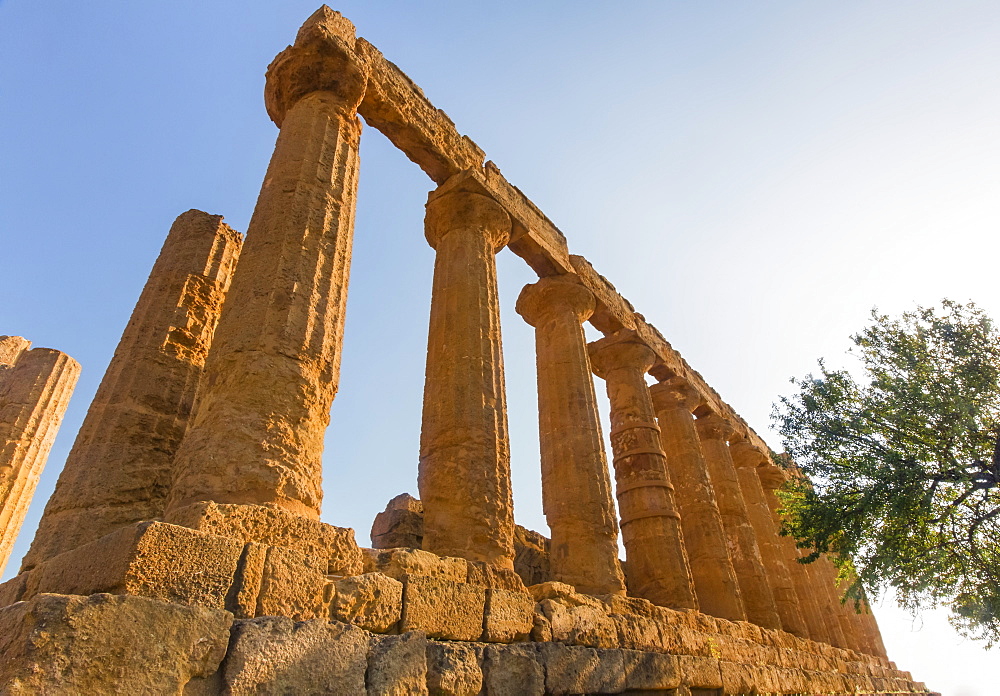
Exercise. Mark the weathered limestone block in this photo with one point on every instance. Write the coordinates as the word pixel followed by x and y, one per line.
pixel 102 644
pixel 638 632
pixel 35 387
pixel 700 672
pixel 275 655
pixel 576 488
pixel 12 590
pixel 293 584
pixel 755 590
pixel 443 609
pixel 453 669
pixel 531 556
pixel 464 471
pixel 490 576
pixel 372 601
pixel 509 616
pixel 401 524
pixel 704 535
pixel 579 625
pixel 121 464
pixel 579 670
pixel 646 670
pixel 400 563
pixel 150 559
pixel 397 665
pixel 276 527
pixel 242 597
pixel 513 670
pixel 658 568
pixel 256 435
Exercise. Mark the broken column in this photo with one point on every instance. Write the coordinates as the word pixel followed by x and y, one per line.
pixel 256 436
pixel 704 536
pixel 121 465
pixel 714 433
pixel 658 568
pixel 464 473
pixel 747 459
pixel 35 387
pixel 576 488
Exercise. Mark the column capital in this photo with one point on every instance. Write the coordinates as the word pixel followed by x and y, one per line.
pixel 772 477
pixel 463 210
pixel 712 426
pixel 675 392
pixel 622 350
pixel 322 59
pixel 552 297
pixel 748 455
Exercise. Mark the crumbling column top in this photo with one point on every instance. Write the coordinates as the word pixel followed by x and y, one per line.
pixel 623 350
pixel 675 392
pixel 463 210
pixel 747 454
pixel 11 348
pixel 554 296
pixel 712 426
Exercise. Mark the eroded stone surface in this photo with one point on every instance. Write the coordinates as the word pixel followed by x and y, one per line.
pixel 443 609
pixel 397 665
pixel 372 601
pixel 453 669
pixel 401 524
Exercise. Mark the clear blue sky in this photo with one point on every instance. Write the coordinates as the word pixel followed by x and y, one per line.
pixel 753 176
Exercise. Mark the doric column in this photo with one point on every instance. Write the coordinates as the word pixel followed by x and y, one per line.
pixel 747 459
pixel 121 465
pixel 772 478
pixel 35 386
pixel 658 568
pixel 464 475
pixel 576 488
pixel 256 436
pixel 714 432
pixel 828 599
pixel 704 536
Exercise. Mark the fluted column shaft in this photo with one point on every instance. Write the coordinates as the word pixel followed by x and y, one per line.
pixel 576 487
pixel 713 432
pixel 806 591
pixel 747 458
pixel 35 387
pixel 121 465
pixel 464 474
pixel 658 568
pixel 256 436
pixel 704 535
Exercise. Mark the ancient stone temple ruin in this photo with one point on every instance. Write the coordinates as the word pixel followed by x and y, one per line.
pixel 182 552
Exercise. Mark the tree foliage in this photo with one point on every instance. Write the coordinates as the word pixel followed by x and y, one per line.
pixel 903 463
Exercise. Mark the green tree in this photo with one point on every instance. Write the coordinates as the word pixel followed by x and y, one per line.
pixel 902 463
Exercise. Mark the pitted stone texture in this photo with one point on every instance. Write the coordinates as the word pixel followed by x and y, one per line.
pixel 652 671
pixel 576 488
pixel 509 616
pixel 579 625
pixel 293 584
pixel 513 670
pixel 150 559
pixel 372 601
pixel 256 436
pixel 400 563
pixel 487 575
pixel 464 471
pixel 121 465
pixel 35 387
pixel 453 669
pixel 401 524
pixel 531 556
pixel 397 665
pixel 443 609
pixel 276 655
pixel 277 527
pixel 103 644
pixel 578 670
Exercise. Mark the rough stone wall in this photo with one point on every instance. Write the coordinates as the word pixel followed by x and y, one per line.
pixel 35 387
pixel 120 467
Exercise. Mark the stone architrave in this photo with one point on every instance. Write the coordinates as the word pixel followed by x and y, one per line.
pixel 35 387
pixel 704 535
pixel 256 435
pixel 121 465
pixel 714 433
pixel 747 458
pixel 464 472
pixel 576 488
pixel 658 568
pixel 772 478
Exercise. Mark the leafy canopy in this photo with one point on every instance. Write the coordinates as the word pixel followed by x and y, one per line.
pixel 904 463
